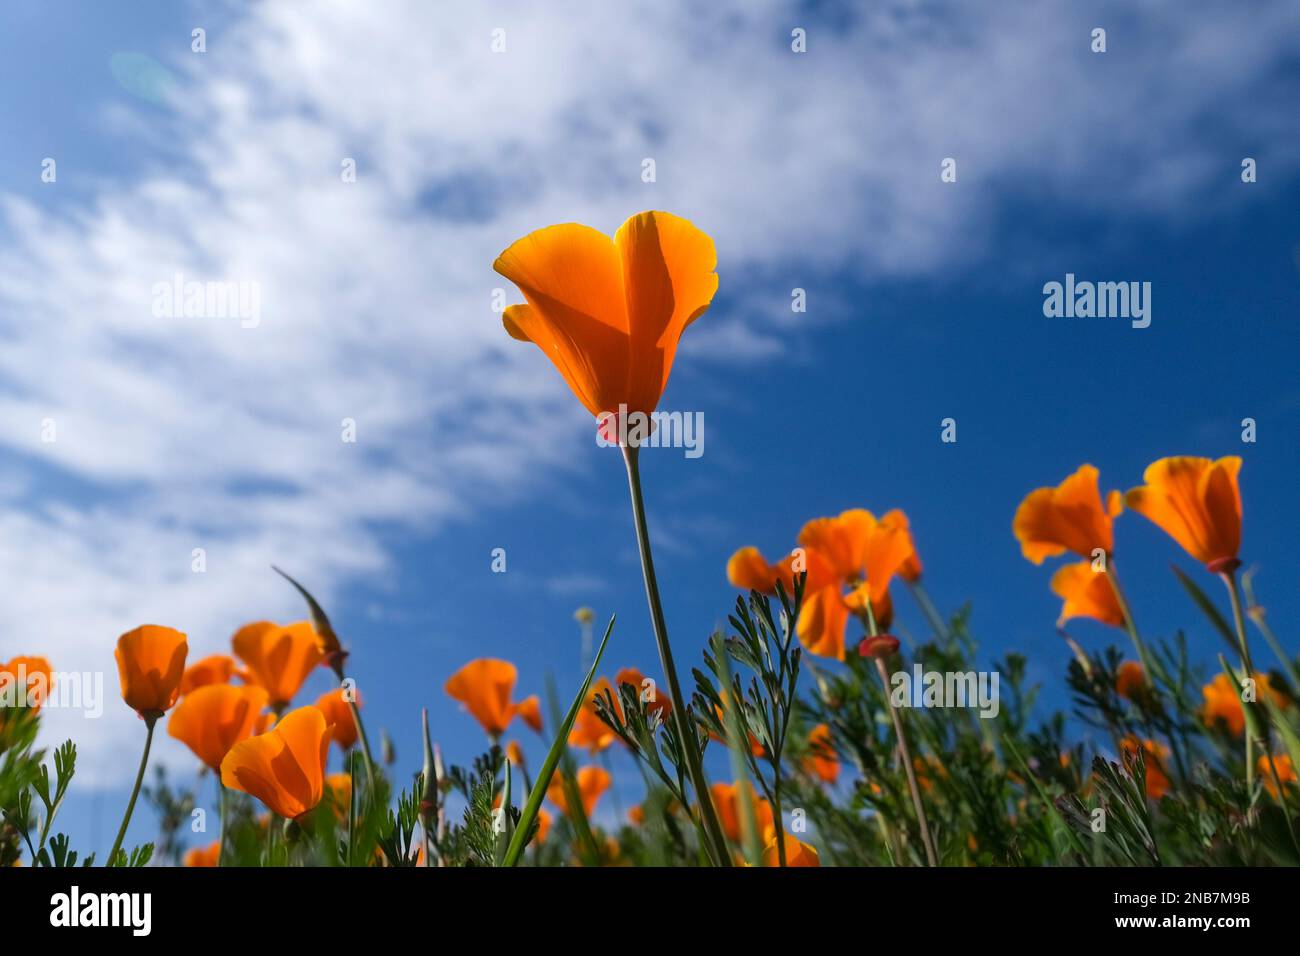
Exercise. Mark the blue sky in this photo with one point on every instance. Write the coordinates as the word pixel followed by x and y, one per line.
pixel 819 172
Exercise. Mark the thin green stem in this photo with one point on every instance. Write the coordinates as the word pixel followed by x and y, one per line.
pixel 149 722
pixel 1129 624
pixel 1229 579
pixel 690 744
pixel 932 615
pixel 221 811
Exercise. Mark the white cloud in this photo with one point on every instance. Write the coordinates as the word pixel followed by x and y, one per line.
pixel 182 433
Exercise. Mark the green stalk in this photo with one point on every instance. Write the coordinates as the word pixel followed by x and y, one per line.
pixel 690 744
pixel 149 721
pixel 1229 579
pixel 221 835
pixel 1129 624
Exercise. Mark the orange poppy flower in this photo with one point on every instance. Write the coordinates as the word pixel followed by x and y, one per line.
pixel 339 786
pixel 515 753
pixel 1223 702
pixel 530 710
pixel 1130 679
pixel 660 703
pixel 1069 517
pixel 213 669
pixel 589 731
pixel 150 663
pixel 483 686
pixel 279 657
pixel 609 313
pixel 335 707
pixel 726 797
pixel 25 682
pixel 284 767
pixel 543 825
pixel 822 761
pixel 592 782
pixel 797 853
pixel 1196 502
pixel 1087 593
pixel 755 747
pixel 214 718
pixel 851 550
pixel 1155 754
pixel 1285 771
pixel 204 855
pixel 748 570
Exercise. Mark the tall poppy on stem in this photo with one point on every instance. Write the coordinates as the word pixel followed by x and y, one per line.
pixel 150 664
pixel 1197 502
pixel 284 767
pixel 609 314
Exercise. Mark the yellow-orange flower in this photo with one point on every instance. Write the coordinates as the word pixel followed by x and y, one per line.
pixel 214 718
pixel 726 797
pixel 284 767
pixel 213 669
pixel 530 711
pixel 338 712
pixel 543 825
pixel 1285 771
pixel 822 761
pixel 1223 702
pixel 853 550
pixel 339 786
pixel 204 855
pixel 1086 593
pixel 150 663
pixel 797 853
pixel 279 657
pixel 592 782
pixel 484 686
pixel 609 313
pixel 660 704
pixel 748 570
pixel 1069 517
pixel 1155 754
pixel 1196 502
pixel 515 753
pixel 589 731
pixel 1130 678
pixel 25 682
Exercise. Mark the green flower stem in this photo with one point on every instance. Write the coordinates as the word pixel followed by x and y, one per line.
pixel 694 761
pixel 1229 579
pixel 222 794
pixel 149 722
pixel 932 615
pixel 1129 624
pixel 932 858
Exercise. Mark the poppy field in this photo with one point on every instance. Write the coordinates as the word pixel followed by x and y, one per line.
pixel 807 732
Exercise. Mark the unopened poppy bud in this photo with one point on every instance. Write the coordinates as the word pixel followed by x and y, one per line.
pixel 881 645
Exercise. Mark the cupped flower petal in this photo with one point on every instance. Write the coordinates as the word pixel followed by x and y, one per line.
pixel 279 657
pixel 213 669
pixel 150 664
pixel 1069 517
pixel 1196 501
pixel 213 718
pixel 284 767
pixel 484 686
pixel 592 783
pixel 1086 593
pixel 337 710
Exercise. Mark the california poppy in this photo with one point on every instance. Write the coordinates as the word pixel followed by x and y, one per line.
pixel 279 657
pixel 1223 703
pixel 484 686
pixel 1196 502
pixel 592 782
pixel 1130 678
pixel 204 855
pixel 1086 593
pixel 1155 754
pixel 530 711
pixel 797 853
pixel 543 825
pixel 213 669
pixel 748 570
pixel 515 753
pixel 338 712
pixel 589 731
pixel 1069 517
pixel 284 767
pixel 609 312
pixel 1285 771
pixel 150 663
pixel 855 551
pixel 822 761
pixel 339 786
pixel 25 682
pixel 657 703
pixel 213 718
pixel 726 797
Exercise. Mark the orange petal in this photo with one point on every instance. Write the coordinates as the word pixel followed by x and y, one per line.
pixel 484 687
pixel 1196 502
pixel 1087 593
pixel 1069 517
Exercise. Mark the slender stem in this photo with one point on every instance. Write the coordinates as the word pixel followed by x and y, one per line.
pixel 694 762
pixel 932 615
pixel 1229 579
pixel 1129 624
pixel 221 835
pixel 930 855
pixel 149 722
